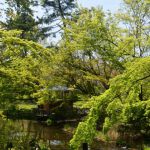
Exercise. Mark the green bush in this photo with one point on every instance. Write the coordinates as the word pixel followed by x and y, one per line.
pixel 49 122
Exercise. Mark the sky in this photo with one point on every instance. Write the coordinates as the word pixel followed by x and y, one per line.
pixel 106 4
pixel 111 5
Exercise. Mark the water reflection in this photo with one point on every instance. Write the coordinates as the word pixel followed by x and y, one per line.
pixel 54 137
pixel 55 142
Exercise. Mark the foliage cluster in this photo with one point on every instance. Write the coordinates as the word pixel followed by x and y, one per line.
pixel 21 65
pixel 104 57
pixel 121 103
pixel 12 136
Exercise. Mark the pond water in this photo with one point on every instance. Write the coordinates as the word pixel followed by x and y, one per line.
pixel 56 138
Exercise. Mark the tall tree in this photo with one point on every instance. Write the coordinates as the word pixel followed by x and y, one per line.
pixel 126 102
pixel 134 16
pixel 20 76
pixel 86 58
pixel 120 104
pixel 20 16
pixel 56 11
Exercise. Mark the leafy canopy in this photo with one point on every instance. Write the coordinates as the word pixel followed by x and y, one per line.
pixel 21 65
pixel 121 103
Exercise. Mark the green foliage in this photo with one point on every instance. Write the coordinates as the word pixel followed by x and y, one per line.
pixel 134 15
pixel 20 111
pixel 55 19
pixel 86 130
pixel 96 56
pixel 43 145
pixel 120 104
pixel 20 16
pixel 10 132
pixel 49 122
pixel 21 65
pixel 26 106
pixel 86 59
pixel 146 148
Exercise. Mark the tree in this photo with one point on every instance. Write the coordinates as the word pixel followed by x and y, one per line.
pixel 120 104
pixel 20 16
pixel 134 17
pixel 56 11
pixel 126 102
pixel 20 75
pixel 86 58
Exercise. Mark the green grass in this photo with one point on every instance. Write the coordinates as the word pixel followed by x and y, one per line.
pixel 146 148
pixel 79 104
pixel 26 106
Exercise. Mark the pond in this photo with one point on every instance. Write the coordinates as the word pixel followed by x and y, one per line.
pixel 55 137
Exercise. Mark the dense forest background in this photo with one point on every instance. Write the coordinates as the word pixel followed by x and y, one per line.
pixel 102 57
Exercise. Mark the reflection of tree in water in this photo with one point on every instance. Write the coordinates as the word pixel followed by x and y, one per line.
pixel 34 134
pixel 20 135
pixel 50 136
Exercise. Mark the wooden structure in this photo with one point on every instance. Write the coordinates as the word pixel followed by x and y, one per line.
pixel 63 99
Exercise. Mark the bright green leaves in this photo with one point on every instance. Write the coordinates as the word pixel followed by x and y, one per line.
pixel 131 90
pixel 21 65
pixel 135 18
pixel 86 130
pixel 86 58
pixel 121 103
